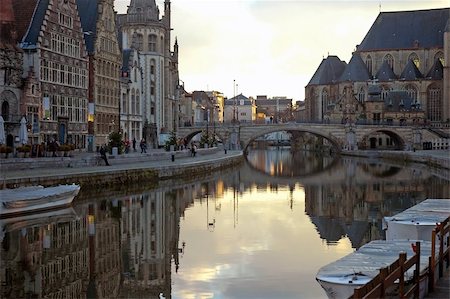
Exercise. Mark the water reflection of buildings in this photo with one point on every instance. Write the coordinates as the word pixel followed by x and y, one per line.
pixel 348 197
pixel 122 247
pixel 44 257
pixel 104 249
pixel 150 233
pixel 127 246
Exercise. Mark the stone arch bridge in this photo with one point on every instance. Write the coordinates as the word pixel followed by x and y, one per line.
pixel 340 136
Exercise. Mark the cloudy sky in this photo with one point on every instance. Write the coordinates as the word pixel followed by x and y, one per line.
pixel 268 47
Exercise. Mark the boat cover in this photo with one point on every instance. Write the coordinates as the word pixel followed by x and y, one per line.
pixel 371 257
pixel 34 192
pixel 418 221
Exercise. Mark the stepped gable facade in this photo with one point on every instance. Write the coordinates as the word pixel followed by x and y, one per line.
pixel 406 53
pixel 51 38
pixel 141 28
pixel 105 59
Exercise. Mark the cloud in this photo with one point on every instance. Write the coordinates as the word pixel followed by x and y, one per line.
pixel 269 47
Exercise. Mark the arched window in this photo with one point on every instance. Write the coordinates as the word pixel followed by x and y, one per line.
pixel 411 90
pixel 5 111
pixel 133 102
pixel 389 60
pixel 362 95
pixel 152 67
pixel 124 103
pixel 138 102
pixel 152 43
pixel 415 59
pixel 369 64
pixel 439 55
pixel 324 102
pixel 139 41
pixel 434 103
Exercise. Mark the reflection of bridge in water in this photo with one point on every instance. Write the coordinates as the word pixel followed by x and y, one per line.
pixel 354 170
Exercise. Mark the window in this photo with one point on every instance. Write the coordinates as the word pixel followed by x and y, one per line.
pixel 7 79
pixel 414 58
pixel 324 102
pixel 138 102
pixel 361 95
pixel 139 41
pixel 133 102
pixel 411 90
pixel 369 64
pixel 5 110
pixel 384 92
pixel 124 103
pixel 65 20
pixel 376 118
pixel 434 103
pixel 389 60
pixel 152 43
pixel 439 55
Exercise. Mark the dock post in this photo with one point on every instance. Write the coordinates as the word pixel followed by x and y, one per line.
pixel 417 272
pixel 401 284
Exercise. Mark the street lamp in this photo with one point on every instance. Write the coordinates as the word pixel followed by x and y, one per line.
pixel 234 101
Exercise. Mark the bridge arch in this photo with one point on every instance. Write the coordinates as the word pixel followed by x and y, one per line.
pixel 195 132
pixel 334 141
pixel 398 140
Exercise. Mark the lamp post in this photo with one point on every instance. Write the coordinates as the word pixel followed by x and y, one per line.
pixel 234 101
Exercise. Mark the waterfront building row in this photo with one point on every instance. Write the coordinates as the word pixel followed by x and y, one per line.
pixel 64 66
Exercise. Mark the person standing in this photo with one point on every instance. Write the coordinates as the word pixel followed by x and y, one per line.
pixel 103 155
pixel 134 144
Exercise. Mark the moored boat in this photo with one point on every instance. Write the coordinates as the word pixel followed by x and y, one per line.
pixel 340 278
pixel 417 222
pixel 25 200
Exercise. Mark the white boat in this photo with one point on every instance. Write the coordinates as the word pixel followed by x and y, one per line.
pixel 417 222
pixel 339 279
pixel 22 200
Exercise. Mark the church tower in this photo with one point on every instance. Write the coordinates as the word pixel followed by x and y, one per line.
pixel 143 29
pixel 446 98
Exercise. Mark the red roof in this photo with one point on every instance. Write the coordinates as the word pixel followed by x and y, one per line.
pixel 23 11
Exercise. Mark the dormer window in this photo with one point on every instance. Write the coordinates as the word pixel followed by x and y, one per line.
pixel 439 55
pixel 389 60
pixel 414 58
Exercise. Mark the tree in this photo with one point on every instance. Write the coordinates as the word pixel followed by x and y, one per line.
pixel 115 140
pixel 204 139
pixel 171 141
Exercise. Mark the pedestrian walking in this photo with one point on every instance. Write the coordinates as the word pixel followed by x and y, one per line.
pixel 103 155
pixel 193 149
pixel 134 144
pixel 143 146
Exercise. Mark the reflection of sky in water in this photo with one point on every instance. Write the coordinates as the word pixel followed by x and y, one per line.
pixel 258 248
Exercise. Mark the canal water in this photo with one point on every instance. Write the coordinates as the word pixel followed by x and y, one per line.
pixel 260 230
